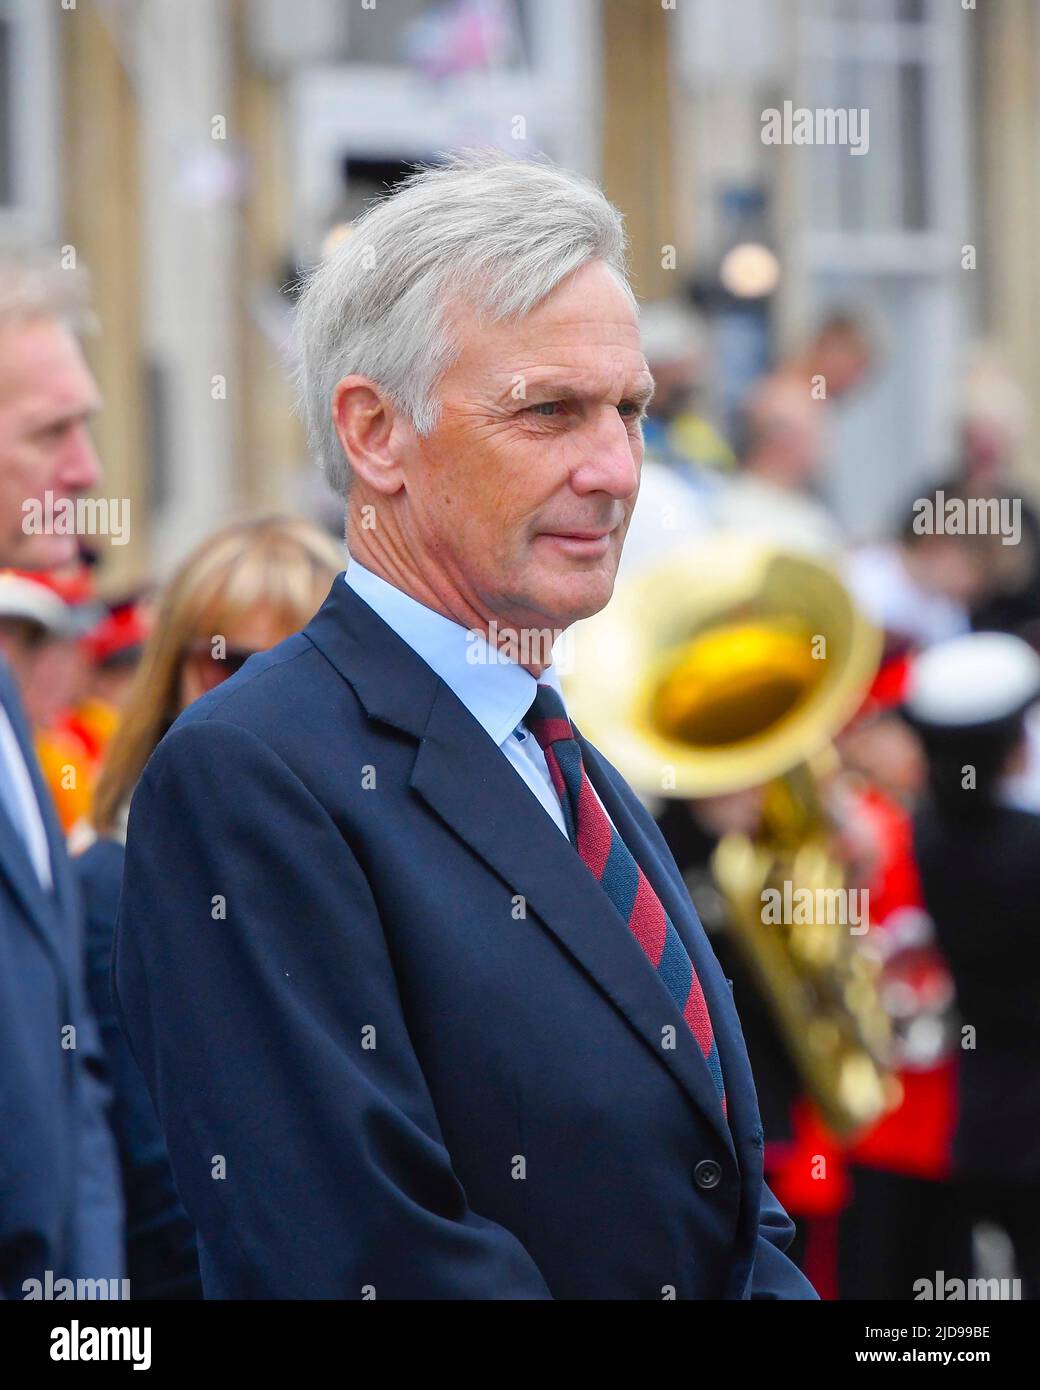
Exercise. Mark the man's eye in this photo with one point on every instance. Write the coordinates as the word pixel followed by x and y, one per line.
pixel 545 409
pixel 630 410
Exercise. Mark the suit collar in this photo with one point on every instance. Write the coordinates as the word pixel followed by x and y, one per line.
pixel 496 814
pixel 496 690
pixel 394 685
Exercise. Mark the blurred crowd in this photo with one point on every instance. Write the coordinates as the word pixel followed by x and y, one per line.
pixel 936 806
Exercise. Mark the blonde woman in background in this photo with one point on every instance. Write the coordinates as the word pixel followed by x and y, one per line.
pixel 239 592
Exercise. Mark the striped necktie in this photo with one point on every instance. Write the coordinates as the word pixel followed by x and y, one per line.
pixel 610 862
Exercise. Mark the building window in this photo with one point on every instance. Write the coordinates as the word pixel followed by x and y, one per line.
pixel 888 59
pixel 442 35
pixel 29 172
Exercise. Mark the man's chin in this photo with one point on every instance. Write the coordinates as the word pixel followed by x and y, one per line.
pixel 40 553
pixel 577 594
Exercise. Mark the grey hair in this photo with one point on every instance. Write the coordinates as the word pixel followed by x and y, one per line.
pixel 495 233
pixel 34 285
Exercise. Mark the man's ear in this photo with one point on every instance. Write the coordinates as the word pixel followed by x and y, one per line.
pixel 369 429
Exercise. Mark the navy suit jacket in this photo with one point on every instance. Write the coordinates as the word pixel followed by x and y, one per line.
pixel 161 1258
pixel 61 1203
pixel 400 1041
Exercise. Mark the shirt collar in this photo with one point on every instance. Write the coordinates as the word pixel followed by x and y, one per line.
pixel 496 690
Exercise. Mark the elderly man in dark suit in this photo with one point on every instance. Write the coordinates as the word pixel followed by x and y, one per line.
pixel 421 998
pixel 61 1210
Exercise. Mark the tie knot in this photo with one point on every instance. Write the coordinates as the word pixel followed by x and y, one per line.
pixel 547 718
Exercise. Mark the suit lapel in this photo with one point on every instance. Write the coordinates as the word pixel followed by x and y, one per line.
pixel 43 911
pixel 65 894
pixel 17 869
pixel 469 784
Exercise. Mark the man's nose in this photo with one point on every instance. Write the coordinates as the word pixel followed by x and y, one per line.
pixel 80 467
pixel 612 465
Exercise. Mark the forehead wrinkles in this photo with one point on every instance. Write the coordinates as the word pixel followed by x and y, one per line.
pixel 576 345
pixel 69 393
pixel 586 371
pixel 579 333
pixel 46 364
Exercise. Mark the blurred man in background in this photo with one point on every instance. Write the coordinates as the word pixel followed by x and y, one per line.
pixel 60 1201
pixel 676 430
pixel 921 586
pixel 782 447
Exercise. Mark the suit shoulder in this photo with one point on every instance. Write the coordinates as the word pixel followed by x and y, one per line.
pixel 262 675
pixel 281 704
pixel 292 686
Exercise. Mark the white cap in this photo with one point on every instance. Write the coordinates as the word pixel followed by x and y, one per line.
pixel 24 598
pixel 974 679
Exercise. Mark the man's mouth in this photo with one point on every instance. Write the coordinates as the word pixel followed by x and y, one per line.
pixel 584 543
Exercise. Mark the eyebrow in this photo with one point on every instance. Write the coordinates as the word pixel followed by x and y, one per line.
pixel 549 390
pixel 42 419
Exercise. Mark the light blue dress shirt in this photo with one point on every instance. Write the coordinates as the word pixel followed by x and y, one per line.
pixel 496 691
pixel 18 799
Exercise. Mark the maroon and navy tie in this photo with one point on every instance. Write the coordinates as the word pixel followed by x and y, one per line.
pixel 613 866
